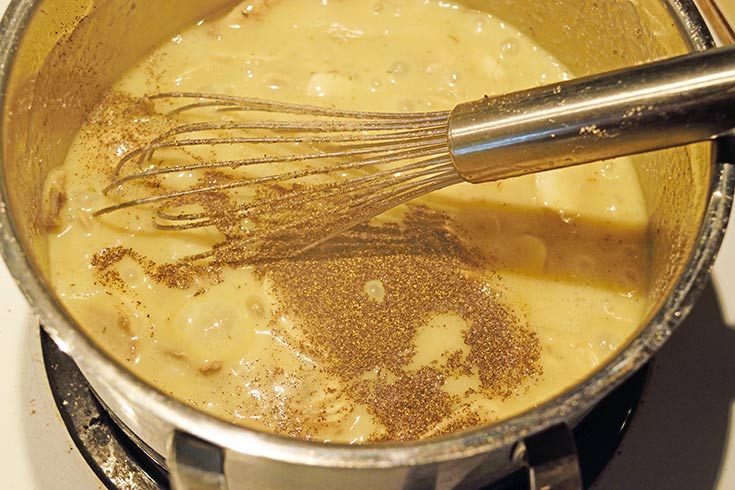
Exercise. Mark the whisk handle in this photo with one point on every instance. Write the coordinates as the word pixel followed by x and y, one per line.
pixel 657 105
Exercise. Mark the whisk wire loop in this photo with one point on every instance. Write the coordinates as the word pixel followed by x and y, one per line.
pixel 312 172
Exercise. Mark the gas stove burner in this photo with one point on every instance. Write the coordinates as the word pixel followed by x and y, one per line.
pixel 122 465
pixel 116 460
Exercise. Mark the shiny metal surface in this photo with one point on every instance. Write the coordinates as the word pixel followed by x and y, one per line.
pixel 551 456
pixel 57 56
pixel 716 21
pixel 196 464
pixel 659 105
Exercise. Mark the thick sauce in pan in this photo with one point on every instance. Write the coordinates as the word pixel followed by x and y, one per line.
pixel 461 309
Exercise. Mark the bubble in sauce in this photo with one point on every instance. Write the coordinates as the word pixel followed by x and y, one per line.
pixel 533 251
pixel 510 47
pixel 328 84
pixel 399 68
pixel 208 333
pixel 375 290
pixel 258 308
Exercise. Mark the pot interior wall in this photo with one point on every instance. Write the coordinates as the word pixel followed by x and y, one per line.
pixel 73 50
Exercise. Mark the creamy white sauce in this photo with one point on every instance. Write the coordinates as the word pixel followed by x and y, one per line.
pixel 565 249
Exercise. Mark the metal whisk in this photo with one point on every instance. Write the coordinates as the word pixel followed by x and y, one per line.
pixel 341 168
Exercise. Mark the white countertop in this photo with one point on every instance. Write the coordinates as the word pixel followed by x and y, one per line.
pixel 681 439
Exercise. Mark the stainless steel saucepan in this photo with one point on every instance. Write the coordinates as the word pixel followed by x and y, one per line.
pixel 57 57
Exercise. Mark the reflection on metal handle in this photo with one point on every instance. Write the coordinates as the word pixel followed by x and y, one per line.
pixel 712 14
pixel 195 464
pixel 648 107
pixel 551 457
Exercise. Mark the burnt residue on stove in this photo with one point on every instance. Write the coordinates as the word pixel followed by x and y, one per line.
pixel 117 461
